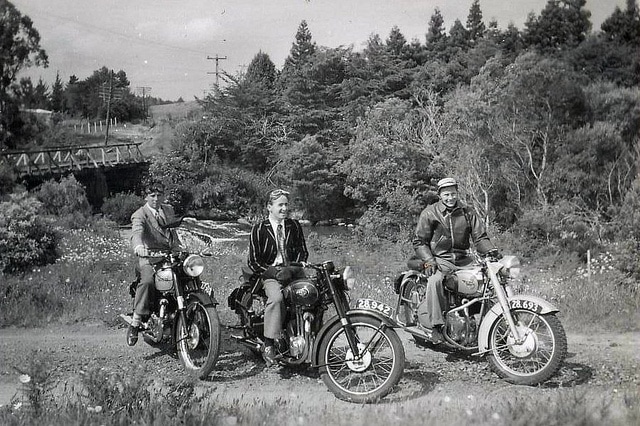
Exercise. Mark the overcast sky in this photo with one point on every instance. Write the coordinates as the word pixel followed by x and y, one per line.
pixel 164 44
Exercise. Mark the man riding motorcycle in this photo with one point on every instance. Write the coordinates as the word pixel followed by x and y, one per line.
pixel 147 233
pixel 441 244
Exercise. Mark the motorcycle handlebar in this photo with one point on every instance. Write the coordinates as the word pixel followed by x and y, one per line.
pixel 154 254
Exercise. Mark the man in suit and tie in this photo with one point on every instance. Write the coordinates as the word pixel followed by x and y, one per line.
pixel 148 235
pixel 273 244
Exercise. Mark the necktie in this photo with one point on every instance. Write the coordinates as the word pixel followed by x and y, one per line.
pixel 281 248
pixel 159 218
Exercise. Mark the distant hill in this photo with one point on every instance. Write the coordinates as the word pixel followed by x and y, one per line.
pixel 179 110
pixel 164 118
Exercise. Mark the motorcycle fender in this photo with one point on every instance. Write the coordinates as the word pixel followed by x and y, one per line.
pixel 543 307
pixel 204 298
pixel 322 334
pixel 405 278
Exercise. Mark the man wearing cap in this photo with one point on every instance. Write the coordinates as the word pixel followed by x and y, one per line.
pixel 273 244
pixel 442 241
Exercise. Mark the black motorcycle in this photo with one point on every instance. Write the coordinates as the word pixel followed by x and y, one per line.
pixel 183 311
pixel 359 355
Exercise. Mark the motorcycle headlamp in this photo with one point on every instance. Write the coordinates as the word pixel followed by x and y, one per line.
pixel 511 266
pixel 193 265
pixel 349 277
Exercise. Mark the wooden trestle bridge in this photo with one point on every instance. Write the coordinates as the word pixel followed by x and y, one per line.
pixel 60 160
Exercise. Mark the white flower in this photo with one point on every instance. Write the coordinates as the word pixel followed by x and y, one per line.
pixel 24 378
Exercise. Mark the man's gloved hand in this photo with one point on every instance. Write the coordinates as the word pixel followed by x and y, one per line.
pixel 429 268
pixel 494 254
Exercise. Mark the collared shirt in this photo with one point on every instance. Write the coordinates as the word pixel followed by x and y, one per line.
pixel 153 211
pixel 274 225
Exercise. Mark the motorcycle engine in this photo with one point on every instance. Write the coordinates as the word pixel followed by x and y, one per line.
pixel 462 329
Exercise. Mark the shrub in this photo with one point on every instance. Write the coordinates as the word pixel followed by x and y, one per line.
pixel 7 179
pixel 557 228
pixel 66 199
pixel 26 238
pixel 120 207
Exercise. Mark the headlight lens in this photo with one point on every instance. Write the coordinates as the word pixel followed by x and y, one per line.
pixel 193 265
pixel 511 266
pixel 349 277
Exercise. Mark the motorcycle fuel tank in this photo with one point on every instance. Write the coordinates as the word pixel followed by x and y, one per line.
pixel 302 292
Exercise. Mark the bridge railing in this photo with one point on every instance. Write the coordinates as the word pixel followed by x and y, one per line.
pixel 62 159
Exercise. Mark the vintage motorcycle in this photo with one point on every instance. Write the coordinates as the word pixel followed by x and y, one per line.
pixel 184 311
pixel 523 339
pixel 359 355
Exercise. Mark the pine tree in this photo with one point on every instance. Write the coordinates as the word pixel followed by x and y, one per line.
pixel 261 70
pixel 623 27
pixel 475 26
pixel 562 24
pixel 396 42
pixel 57 95
pixel 41 95
pixel 435 31
pixel 302 49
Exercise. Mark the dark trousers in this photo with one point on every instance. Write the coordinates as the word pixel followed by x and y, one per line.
pixel 144 291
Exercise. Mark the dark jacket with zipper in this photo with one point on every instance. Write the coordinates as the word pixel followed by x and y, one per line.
pixel 443 234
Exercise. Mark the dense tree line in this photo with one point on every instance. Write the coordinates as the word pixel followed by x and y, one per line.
pixel 541 125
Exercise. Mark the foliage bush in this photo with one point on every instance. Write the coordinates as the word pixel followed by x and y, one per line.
pixel 26 238
pixel 66 199
pixel 121 206
pixel 556 228
pixel 8 179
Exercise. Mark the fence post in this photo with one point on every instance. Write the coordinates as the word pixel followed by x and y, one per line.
pixel 589 265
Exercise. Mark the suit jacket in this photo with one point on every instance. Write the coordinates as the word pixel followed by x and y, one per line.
pixel 146 231
pixel 263 246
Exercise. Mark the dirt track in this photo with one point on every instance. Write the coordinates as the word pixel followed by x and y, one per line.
pixel 600 363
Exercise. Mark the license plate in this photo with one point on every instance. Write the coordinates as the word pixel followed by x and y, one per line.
pixel 525 304
pixel 204 286
pixel 374 305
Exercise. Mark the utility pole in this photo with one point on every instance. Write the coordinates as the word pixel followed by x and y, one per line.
pixel 217 59
pixel 145 90
pixel 109 96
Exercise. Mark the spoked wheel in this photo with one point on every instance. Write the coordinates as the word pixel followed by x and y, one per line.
pixel 370 375
pixel 536 357
pixel 198 338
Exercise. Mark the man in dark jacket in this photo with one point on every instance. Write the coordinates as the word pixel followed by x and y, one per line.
pixel 273 244
pixel 442 242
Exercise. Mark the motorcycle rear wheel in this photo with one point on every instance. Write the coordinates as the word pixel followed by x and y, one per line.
pixel 198 338
pixel 374 374
pixel 535 360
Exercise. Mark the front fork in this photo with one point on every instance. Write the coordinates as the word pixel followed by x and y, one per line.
pixel 340 303
pixel 503 300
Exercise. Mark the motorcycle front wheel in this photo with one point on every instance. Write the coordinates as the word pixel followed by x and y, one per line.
pixel 198 338
pixel 537 357
pixel 370 376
